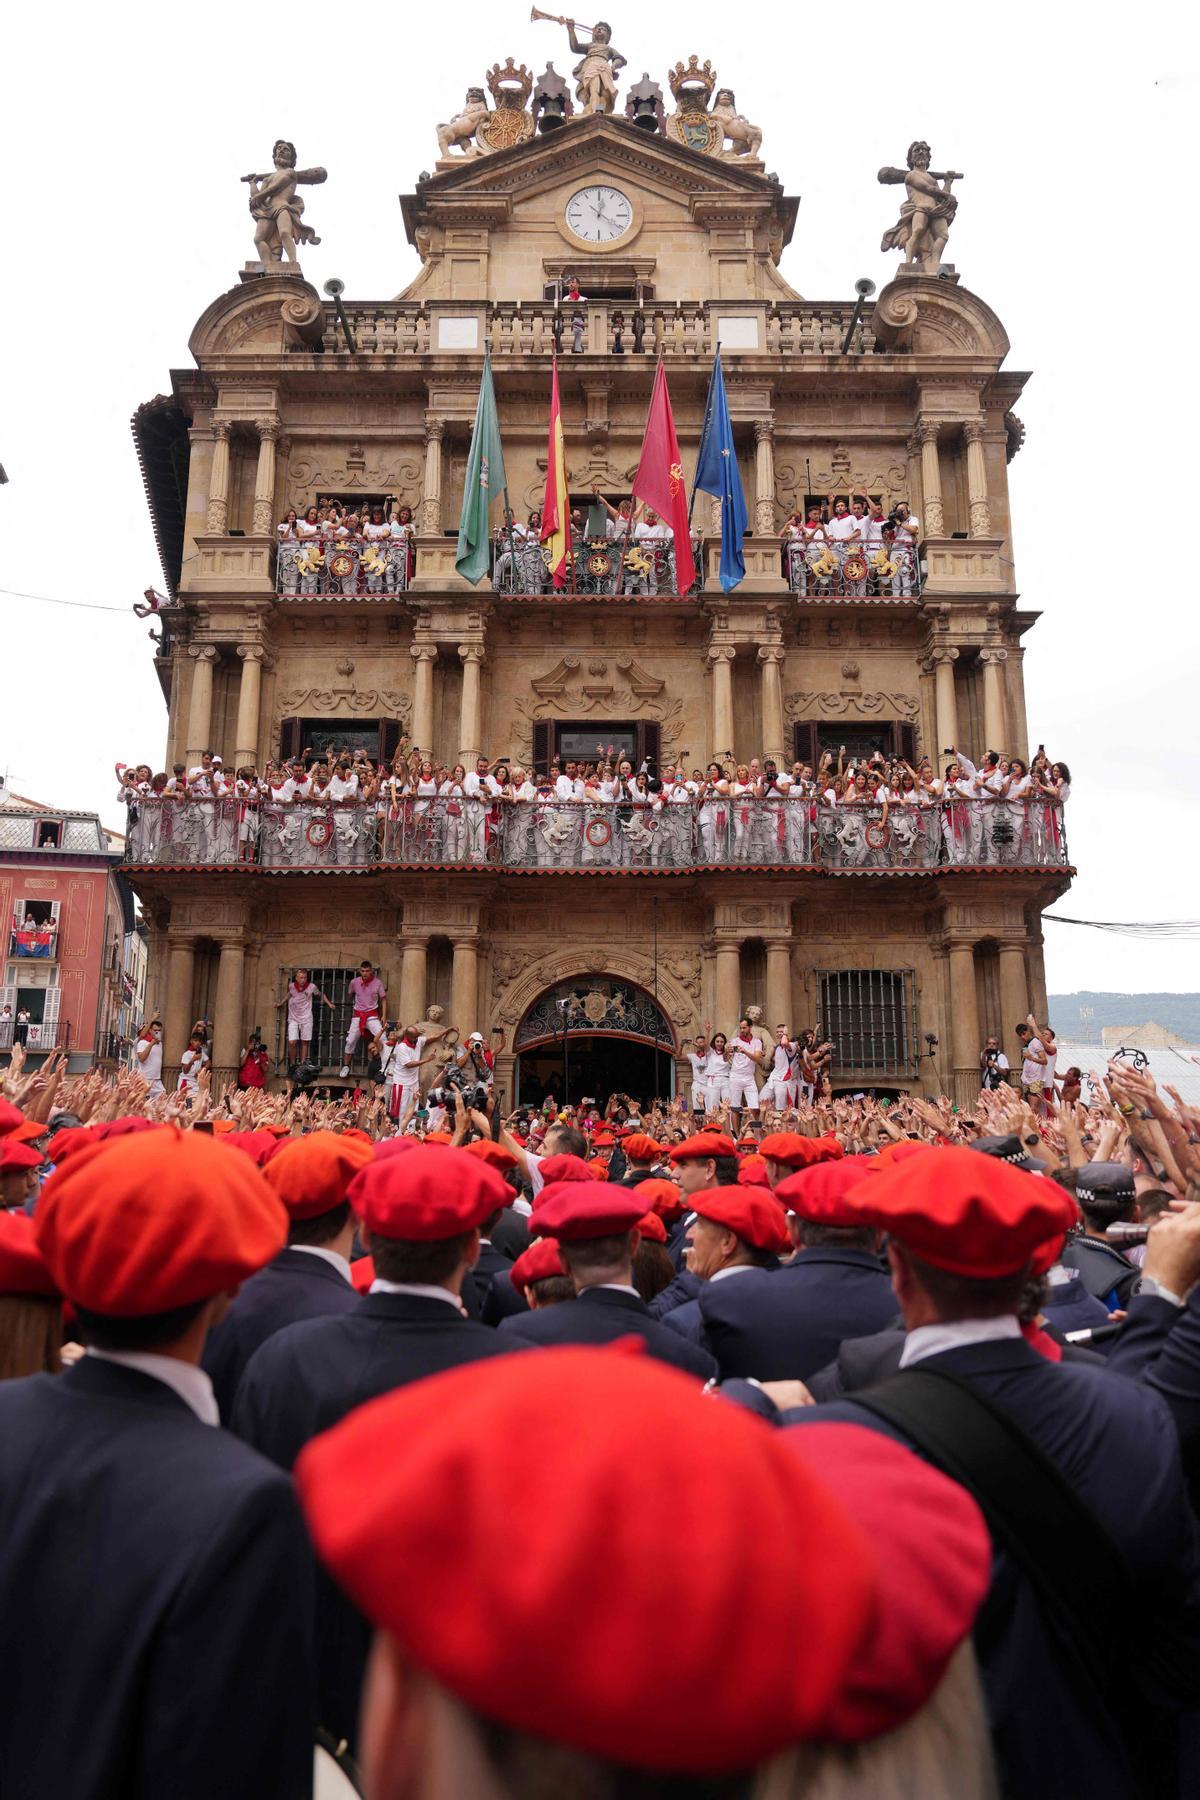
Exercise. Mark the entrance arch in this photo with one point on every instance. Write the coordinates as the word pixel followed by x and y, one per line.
pixel 594 1036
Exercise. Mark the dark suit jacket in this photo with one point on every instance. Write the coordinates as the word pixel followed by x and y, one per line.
pixel 1160 1346
pixel 600 1315
pixel 1116 1445
pixel 684 1287
pixel 309 1376
pixel 502 1301
pixel 295 1286
pixel 492 1262
pixel 510 1234
pixel 156 1600
pixel 782 1324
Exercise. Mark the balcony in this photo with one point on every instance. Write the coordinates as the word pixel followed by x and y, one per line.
pixel 38 942
pixel 348 568
pixel 599 838
pixel 830 572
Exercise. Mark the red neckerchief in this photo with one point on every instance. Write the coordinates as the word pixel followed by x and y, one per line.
pixel 1041 1341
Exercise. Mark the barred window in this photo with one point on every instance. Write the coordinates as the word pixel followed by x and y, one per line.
pixel 329 1028
pixel 867 1014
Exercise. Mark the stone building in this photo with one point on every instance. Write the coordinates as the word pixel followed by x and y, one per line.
pixel 616 965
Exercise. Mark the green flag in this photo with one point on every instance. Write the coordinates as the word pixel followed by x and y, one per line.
pixel 485 481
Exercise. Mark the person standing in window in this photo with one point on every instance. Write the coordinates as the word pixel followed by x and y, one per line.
pixel 299 1002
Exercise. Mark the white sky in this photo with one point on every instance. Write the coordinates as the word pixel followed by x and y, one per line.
pixel 126 134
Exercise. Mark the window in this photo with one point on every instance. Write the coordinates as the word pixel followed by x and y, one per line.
pixel 579 740
pixel 377 737
pixel 893 737
pixel 329 1028
pixel 34 929
pixel 49 834
pixel 868 1015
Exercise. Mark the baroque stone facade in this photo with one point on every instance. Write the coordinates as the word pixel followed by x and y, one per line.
pixel 278 410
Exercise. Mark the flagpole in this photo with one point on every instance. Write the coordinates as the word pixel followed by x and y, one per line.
pixel 712 376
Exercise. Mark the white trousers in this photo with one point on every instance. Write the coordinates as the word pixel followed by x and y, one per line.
pixel 374 1025
pixel 779 1091
pixel 743 1091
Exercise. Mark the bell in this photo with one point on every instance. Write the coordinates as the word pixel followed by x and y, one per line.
pixel 552 114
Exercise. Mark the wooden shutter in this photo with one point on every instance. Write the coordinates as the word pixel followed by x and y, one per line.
pixel 49 1032
pixel 289 739
pixel 648 735
pixel 804 743
pixel 389 739
pixel 541 747
pixel 904 741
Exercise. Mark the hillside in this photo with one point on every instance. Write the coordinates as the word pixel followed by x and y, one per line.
pixel 1178 1012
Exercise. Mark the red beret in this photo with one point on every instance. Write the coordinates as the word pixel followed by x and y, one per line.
pixel 23 1268
pixel 641 1147
pixel 664 1196
pixel 27 1132
pixel 488 1151
pixel 798 1151
pixel 1047 1254
pixel 652 1228
pixel 538 1263
pixel 66 1142
pixel 564 1167
pixel 15 1155
pixel 438 1137
pixel 10 1116
pixel 931 1583
pixel 752 1212
pixel 705 1143
pixel 608 1434
pixel 427 1195
pixel 819 1194
pixel 311 1174
pixel 257 1145
pixel 572 1210
pixel 897 1152
pixel 394 1146
pixel 966 1213
pixel 277 1130
pixel 362 1137
pixel 752 1172
pixel 156 1220
pixel 603 1140
pixel 128 1125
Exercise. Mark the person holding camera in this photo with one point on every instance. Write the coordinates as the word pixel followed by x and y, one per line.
pixel 994 1068
pixel 906 534
pixel 253 1065
pixel 148 1055
pixel 474 1071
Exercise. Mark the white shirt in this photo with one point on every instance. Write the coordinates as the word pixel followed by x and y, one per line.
pixel 1035 1074
pixel 872 529
pixel 472 786
pixel 420 1290
pixel 907 532
pixel 931 1340
pixel 326 1255
pixel 569 787
pixel 733 1269
pixel 343 790
pixel 743 1064
pixel 151 1069
pixel 401 1061
pixel 699 1065
pixel 186 1379
pixel 841 528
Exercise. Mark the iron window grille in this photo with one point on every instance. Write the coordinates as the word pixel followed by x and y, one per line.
pixel 329 1028
pixel 870 1017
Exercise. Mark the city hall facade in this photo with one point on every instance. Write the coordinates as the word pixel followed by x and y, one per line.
pixel 291 398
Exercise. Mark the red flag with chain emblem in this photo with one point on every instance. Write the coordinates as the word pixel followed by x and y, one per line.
pixel 659 480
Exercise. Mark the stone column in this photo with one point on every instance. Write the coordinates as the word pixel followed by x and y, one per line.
pixel 721 660
pixel 993 698
pixel 1014 996
pixel 218 483
pixel 977 488
pixel 764 477
pixel 199 732
pixel 471 725
pixel 942 663
pixel 729 987
pixel 932 521
pixel 431 499
pixel 227 1010
pixel 246 735
pixel 779 986
pixel 464 986
pixel 177 1012
pixel 424 656
pixel 264 479
pixel 413 979
pixel 771 661
pixel 964 1020
pixel 1037 977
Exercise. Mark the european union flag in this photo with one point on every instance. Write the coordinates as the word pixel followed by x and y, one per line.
pixel 717 473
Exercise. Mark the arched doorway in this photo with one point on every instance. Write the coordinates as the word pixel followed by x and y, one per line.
pixel 593 1037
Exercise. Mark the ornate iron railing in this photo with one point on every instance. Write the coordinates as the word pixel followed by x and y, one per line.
pixel 343 568
pixel 824 571
pixel 716 832
pixel 616 565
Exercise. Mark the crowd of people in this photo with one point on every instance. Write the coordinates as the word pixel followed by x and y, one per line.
pixel 335 549
pixel 849 547
pixel 336 805
pixel 889 1488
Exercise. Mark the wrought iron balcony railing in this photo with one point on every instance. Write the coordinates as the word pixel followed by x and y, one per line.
pixel 600 836
pixel 825 571
pixel 343 568
pixel 597 565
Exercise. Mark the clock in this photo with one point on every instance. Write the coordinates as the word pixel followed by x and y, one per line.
pixel 599 215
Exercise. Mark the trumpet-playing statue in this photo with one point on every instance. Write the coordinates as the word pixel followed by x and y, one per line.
pixel 595 74
pixel 276 207
pixel 928 212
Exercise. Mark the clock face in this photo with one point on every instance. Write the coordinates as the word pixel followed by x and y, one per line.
pixel 599 214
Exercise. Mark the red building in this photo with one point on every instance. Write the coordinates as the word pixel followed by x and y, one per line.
pixel 67 916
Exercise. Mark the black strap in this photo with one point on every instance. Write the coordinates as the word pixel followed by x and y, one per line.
pixel 1078 1572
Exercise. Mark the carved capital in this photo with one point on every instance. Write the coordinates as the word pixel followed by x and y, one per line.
pixel 252 653
pixel 769 653
pixel 993 656
pixel 435 428
pixel 926 431
pixel 203 652
pixel 721 653
pixel 268 430
pixel 946 655
pixel 423 652
pixel 973 431
pixel 764 431
pixel 471 653
pixel 221 429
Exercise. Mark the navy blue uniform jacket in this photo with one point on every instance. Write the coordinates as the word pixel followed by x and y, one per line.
pixel 1115 1443
pixel 157 1635
pixel 599 1315
pixel 782 1324
pixel 297 1285
pixel 492 1262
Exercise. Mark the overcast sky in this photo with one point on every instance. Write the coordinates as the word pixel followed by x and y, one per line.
pixel 127 133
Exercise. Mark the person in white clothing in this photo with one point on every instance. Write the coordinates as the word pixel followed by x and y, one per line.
pixel 476 801
pixel 148 1055
pixel 780 1088
pixel 718 1071
pixel 699 1056
pixel 400 1069
pixel 842 530
pixel 1034 1062
pixel 747 1054
pixel 907 529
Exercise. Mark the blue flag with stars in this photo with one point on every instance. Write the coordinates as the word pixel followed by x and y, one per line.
pixel 717 473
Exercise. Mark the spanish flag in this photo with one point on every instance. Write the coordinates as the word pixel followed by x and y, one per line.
pixel 556 512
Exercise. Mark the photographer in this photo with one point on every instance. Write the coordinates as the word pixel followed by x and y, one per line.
pixel 148 1055
pixel 993 1065
pixel 253 1065
pixel 474 1071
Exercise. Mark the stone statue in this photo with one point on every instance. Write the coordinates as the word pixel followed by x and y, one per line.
pixel 745 137
pixel 440 1041
pixel 462 128
pixel 275 206
pixel 927 214
pixel 595 74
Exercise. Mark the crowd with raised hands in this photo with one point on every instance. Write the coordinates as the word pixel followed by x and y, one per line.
pixel 278 1373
